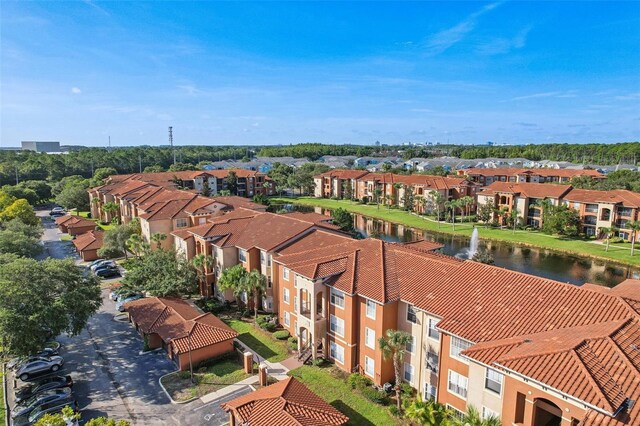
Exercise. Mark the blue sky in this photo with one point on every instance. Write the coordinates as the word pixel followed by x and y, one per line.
pixel 332 72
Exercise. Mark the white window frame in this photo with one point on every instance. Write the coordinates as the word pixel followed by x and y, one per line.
pixel 408 367
pixel 497 378
pixel 369 362
pixel 487 412
pixel 455 349
pixel 286 296
pixel 287 318
pixel 457 413
pixel 458 380
pixel 411 346
pixel 370 306
pixel 337 295
pixel 411 309
pixel 436 367
pixel 263 258
pixel 182 222
pixel 242 255
pixel 336 352
pixel 285 273
pixel 336 329
pixel 434 322
pixel 368 332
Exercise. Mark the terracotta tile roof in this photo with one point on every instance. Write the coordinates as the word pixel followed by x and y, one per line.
pixel 482 302
pixel 237 202
pixel 372 268
pixel 343 174
pixel 314 240
pixel 315 218
pixel 177 322
pixel 286 403
pixel 91 240
pixel 533 190
pixel 539 172
pixel 187 175
pixel 597 364
pixel 180 208
pixel 430 181
pixel 615 196
pixel 71 221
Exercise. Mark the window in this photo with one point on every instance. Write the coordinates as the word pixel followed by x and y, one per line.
pixel 487 413
pixel 287 318
pixel 181 223
pixel 368 366
pixel 285 295
pixel 457 384
pixel 337 352
pixel 337 298
pixel 337 325
pixel 371 309
pixel 433 331
pixel 458 345
pixel 455 412
pixel 370 338
pixel 493 381
pixel 432 360
pixel 411 314
pixel 295 303
pixel 202 221
pixel 411 345
pixel 242 255
pixel 263 258
pixel 285 274
pixel 430 392
pixel 408 372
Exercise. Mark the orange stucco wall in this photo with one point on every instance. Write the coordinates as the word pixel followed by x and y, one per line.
pixel 203 354
pixel 449 363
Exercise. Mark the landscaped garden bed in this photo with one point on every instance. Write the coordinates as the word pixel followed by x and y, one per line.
pixel 261 341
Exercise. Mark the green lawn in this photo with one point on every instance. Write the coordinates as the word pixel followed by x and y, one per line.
pixel 617 252
pixel 207 380
pixel 102 226
pixel 260 341
pixel 327 384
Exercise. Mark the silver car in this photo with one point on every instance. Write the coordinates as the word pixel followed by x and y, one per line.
pixel 39 367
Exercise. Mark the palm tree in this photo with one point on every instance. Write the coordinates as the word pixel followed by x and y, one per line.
pixel 473 418
pixel 513 218
pixel 376 195
pixel 608 232
pixel 233 279
pixel 420 202
pixel 111 209
pixel 158 238
pixel 394 346
pixel 397 187
pixel 468 202
pixel 438 200
pixel 501 212
pixel 255 283
pixel 634 226
pixel 202 263
pixel 428 413
pixel 453 205
pixel 136 244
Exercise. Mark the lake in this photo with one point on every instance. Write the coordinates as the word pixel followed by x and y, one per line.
pixel 544 263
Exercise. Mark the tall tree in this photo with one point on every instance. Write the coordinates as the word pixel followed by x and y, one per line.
pixel 608 232
pixel 230 182
pixel 452 205
pixel 203 263
pixel 157 238
pixel 116 241
pixel 21 210
pixel 255 284
pixel 43 299
pixel 74 197
pixel 485 211
pixel 111 209
pixel 634 227
pixel 394 347
pixel 233 279
pixel 438 200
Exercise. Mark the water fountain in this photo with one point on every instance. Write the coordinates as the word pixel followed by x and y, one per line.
pixel 468 253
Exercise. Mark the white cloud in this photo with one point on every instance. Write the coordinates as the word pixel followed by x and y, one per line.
pixel 443 40
pixel 556 94
pixel 505 45
pixel 76 90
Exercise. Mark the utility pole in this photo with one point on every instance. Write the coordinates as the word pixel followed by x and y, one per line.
pixel 171 143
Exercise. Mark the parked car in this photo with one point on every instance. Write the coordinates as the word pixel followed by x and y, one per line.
pixel 108 272
pixel 102 264
pixel 19 362
pixel 39 367
pixel 57 211
pixel 48 352
pixel 48 408
pixel 95 262
pixel 120 304
pixel 42 385
pixel 54 395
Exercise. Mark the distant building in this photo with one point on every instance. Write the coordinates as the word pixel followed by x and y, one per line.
pixel 40 146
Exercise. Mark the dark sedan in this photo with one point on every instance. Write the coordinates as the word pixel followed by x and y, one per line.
pixel 109 272
pixel 27 406
pixel 42 385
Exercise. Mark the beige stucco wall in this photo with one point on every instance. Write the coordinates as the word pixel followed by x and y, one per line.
pixel 477 395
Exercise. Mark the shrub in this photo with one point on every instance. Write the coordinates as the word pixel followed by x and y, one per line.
pixel 356 380
pixel 406 390
pixel 292 343
pixel 281 334
pixel 318 362
pixel 374 395
pixel 247 313
pixel 394 411
pixel 269 326
pixel 262 319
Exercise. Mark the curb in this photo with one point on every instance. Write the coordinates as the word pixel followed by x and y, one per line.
pixel 167 393
pixel 5 401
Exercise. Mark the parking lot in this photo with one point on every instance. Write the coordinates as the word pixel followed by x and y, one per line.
pixel 112 376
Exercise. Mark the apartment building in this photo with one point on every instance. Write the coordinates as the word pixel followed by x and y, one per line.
pixel 250 238
pixel 486 176
pixel 160 209
pixel 524 198
pixel 392 188
pixel 597 209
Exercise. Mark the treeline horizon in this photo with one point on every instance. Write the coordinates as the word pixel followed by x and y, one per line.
pixel 27 165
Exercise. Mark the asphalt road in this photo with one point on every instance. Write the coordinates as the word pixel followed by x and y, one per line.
pixel 112 377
